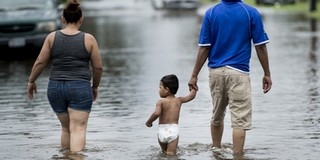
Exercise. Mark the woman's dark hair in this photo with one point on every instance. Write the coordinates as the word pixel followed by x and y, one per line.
pixel 72 12
pixel 171 81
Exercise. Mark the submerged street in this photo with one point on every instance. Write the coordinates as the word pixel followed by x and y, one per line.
pixel 139 45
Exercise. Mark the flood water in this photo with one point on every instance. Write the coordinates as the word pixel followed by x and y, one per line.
pixel 138 46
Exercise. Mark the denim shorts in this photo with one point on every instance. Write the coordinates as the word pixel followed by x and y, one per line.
pixel 74 94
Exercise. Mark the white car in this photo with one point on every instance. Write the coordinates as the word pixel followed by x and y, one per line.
pixel 175 4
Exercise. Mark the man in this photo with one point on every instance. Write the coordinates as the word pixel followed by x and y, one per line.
pixel 227 31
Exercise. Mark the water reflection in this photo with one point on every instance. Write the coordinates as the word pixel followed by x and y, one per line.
pixel 313 92
pixel 313 78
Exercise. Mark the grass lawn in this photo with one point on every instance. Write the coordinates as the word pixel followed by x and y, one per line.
pixel 301 6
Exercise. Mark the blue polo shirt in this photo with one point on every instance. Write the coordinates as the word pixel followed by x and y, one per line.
pixel 229 28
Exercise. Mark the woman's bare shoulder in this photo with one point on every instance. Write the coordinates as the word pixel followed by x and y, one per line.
pixel 89 36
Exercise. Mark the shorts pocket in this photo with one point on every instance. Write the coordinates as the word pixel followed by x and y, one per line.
pixel 81 92
pixel 240 88
pixel 52 92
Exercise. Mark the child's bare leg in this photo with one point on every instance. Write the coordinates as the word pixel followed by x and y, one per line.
pixel 172 147
pixel 163 147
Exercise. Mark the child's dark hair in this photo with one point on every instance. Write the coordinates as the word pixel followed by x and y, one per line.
pixel 72 12
pixel 171 81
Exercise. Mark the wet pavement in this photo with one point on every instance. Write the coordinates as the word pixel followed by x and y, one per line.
pixel 138 46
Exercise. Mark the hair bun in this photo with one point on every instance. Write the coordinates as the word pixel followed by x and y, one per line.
pixel 72 12
pixel 73 4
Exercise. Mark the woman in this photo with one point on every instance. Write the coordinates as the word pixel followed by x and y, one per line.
pixel 69 90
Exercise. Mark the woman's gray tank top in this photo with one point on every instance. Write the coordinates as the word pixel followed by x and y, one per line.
pixel 70 59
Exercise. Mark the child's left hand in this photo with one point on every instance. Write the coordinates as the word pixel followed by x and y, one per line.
pixel 148 124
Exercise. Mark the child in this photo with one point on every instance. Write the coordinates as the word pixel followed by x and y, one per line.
pixel 168 110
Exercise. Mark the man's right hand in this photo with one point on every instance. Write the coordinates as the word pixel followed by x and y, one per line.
pixel 193 83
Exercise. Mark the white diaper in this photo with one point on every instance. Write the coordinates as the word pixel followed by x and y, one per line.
pixel 168 132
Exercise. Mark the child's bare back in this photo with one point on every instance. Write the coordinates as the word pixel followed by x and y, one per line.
pixel 170 108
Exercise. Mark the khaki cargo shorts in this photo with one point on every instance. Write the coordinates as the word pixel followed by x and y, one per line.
pixel 231 88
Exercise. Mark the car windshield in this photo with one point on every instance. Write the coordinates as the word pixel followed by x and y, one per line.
pixel 25 4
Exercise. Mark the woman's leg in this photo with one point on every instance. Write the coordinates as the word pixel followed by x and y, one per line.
pixel 65 132
pixel 78 129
